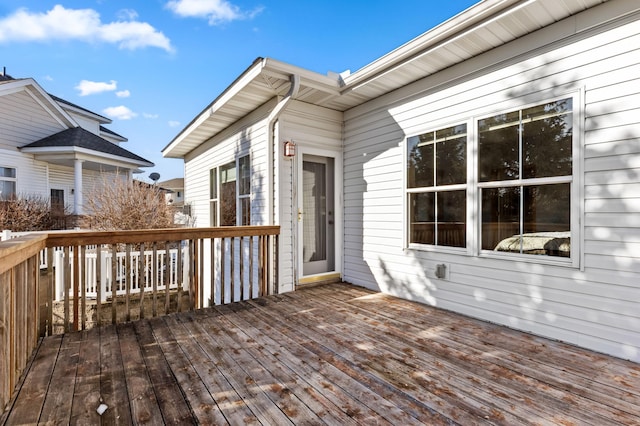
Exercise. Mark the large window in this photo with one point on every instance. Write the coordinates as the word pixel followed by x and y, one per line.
pixel 230 193
pixel 437 181
pixel 7 183
pixel 524 177
pixel 520 197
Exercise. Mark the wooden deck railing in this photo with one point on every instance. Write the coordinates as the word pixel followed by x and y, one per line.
pixel 208 266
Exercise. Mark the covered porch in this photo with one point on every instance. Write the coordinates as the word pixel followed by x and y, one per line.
pixel 325 354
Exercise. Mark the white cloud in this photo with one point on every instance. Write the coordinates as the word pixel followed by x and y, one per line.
pixel 80 24
pixel 151 116
pixel 216 11
pixel 174 123
pixel 87 87
pixel 123 94
pixel 120 112
pixel 127 14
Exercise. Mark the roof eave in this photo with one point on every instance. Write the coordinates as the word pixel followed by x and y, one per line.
pixel 175 148
pixel 460 23
pixel 180 145
pixel 79 151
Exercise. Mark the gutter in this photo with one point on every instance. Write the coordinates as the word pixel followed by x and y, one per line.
pixel 272 143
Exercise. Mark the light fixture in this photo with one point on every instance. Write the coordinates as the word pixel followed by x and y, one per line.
pixel 289 149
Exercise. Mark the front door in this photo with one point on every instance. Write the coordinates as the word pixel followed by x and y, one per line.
pixel 318 215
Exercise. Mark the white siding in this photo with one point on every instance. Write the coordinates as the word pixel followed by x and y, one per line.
pixel 595 306
pixel 310 127
pixel 246 138
pixel 23 120
pixel 31 175
pixel 86 123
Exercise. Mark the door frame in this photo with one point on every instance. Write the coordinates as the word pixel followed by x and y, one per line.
pixel 338 210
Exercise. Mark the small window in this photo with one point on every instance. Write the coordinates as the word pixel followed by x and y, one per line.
pixel 244 190
pixel 230 193
pixel 213 196
pixel 524 177
pixel 436 181
pixel 7 183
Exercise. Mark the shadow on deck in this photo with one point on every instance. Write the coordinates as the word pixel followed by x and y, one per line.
pixel 329 354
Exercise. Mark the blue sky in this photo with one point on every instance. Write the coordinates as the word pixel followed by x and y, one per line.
pixel 152 65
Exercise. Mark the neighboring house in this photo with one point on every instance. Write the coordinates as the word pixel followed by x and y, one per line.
pixel 175 191
pixel 52 148
pixel 490 167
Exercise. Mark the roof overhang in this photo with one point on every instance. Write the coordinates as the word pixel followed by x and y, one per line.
pixel 92 160
pixel 265 79
pixel 482 27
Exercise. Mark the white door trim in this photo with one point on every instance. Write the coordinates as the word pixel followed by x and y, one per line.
pixel 338 206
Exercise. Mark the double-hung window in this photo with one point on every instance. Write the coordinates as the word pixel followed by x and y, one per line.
pixel 7 183
pixel 525 171
pixel 437 187
pixel 230 193
pixel 520 194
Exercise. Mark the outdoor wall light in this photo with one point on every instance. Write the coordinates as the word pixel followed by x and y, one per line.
pixel 289 149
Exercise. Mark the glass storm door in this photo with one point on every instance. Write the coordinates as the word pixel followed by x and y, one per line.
pixel 318 216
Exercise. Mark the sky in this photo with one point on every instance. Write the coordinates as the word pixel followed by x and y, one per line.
pixel 151 66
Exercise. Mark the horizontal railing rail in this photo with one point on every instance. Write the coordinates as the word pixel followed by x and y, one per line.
pixel 93 278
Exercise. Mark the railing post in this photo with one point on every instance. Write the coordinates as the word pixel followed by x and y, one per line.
pixel 51 289
pixel 104 275
pixel 59 274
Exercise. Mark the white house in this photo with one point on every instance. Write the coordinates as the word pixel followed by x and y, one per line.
pixel 52 148
pixel 491 167
pixel 174 191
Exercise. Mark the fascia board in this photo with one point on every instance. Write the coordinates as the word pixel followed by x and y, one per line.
pixel 244 80
pixel 63 152
pixel 461 23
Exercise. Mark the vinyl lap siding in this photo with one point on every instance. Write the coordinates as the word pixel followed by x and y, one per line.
pixel 24 121
pixel 252 141
pixel 596 306
pixel 309 127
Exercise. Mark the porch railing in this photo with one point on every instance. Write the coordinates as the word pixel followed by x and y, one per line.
pixel 110 277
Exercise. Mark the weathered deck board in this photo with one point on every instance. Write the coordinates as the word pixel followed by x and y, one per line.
pixel 333 354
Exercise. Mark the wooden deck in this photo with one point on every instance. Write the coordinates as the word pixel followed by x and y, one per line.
pixel 333 354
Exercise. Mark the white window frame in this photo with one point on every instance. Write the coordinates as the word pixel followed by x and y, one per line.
pixel 436 189
pixel 215 213
pixel 474 219
pixel 10 179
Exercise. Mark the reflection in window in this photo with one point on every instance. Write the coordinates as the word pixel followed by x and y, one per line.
pixel 520 214
pixel 244 190
pixel 436 178
pixel 228 194
pixel 230 191
pixel 7 183
pixel 213 196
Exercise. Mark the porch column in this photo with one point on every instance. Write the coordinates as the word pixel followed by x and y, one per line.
pixel 77 183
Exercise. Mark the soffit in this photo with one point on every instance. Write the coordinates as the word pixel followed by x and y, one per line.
pixel 484 26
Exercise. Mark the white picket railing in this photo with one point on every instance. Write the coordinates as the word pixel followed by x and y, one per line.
pixel 164 264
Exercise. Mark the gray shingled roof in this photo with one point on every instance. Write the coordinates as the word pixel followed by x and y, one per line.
pixel 64 101
pixel 81 138
pixel 111 132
